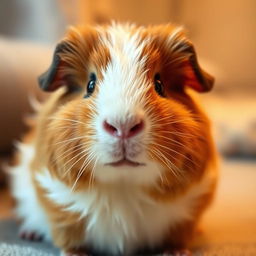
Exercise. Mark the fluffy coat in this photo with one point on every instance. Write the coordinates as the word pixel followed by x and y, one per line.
pixel 66 184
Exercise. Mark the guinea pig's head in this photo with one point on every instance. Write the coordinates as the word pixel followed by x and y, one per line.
pixel 126 114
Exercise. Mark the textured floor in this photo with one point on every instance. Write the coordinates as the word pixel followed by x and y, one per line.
pixel 9 236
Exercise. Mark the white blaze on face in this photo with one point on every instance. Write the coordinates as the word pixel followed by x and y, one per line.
pixel 124 84
pixel 121 97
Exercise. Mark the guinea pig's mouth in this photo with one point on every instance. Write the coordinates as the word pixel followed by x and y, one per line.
pixel 125 162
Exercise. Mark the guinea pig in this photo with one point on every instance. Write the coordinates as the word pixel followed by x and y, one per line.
pixel 121 159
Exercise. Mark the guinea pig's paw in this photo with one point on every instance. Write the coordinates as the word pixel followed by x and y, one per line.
pixel 31 235
pixel 181 252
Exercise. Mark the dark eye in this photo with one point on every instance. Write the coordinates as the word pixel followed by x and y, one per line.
pixel 158 85
pixel 91 84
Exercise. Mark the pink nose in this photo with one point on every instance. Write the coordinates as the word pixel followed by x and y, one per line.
pixel 124 130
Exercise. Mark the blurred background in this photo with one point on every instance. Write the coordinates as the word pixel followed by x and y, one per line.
pixel 224 35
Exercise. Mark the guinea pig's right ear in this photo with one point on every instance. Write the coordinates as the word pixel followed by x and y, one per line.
pixel 54 77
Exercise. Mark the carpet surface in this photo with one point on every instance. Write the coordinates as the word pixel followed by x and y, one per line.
pixel 17 250
pixel 12 245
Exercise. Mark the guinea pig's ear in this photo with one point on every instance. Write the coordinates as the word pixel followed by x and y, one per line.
pixel 54 77
pixel 194 76
pixel 189 73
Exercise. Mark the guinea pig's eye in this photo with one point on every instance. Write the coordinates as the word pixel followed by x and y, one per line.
pixel 158 85
pixel 91 84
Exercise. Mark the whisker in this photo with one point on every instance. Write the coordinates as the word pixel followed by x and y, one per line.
pixel 69 152
pixel 178 143
pixel 86 162
pixel 167 162
pixel 157 144
pixel 93 173
pixel 159 172
pixel 170 139
pixel 67 119
pixel 179 170
pixel 82 152
pixel 185 135
pixel 163 118
pixel 54 127
pixel 163 157
pixel 69 140
pixel 176 122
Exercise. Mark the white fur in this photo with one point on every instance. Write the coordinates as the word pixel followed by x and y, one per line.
pixel 28 208
pixel 121 217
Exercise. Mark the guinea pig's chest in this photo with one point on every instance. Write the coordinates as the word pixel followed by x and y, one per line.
pixel 120 218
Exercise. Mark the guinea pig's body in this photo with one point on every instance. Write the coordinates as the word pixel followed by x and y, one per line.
pixel 121 159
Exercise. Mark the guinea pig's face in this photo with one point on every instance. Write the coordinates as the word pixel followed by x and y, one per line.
pixel 128 117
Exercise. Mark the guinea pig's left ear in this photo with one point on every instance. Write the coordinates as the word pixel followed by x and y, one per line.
pixel 54 77
pixel 194 76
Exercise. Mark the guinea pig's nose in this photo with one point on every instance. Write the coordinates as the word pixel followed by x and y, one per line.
pixel 124 130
